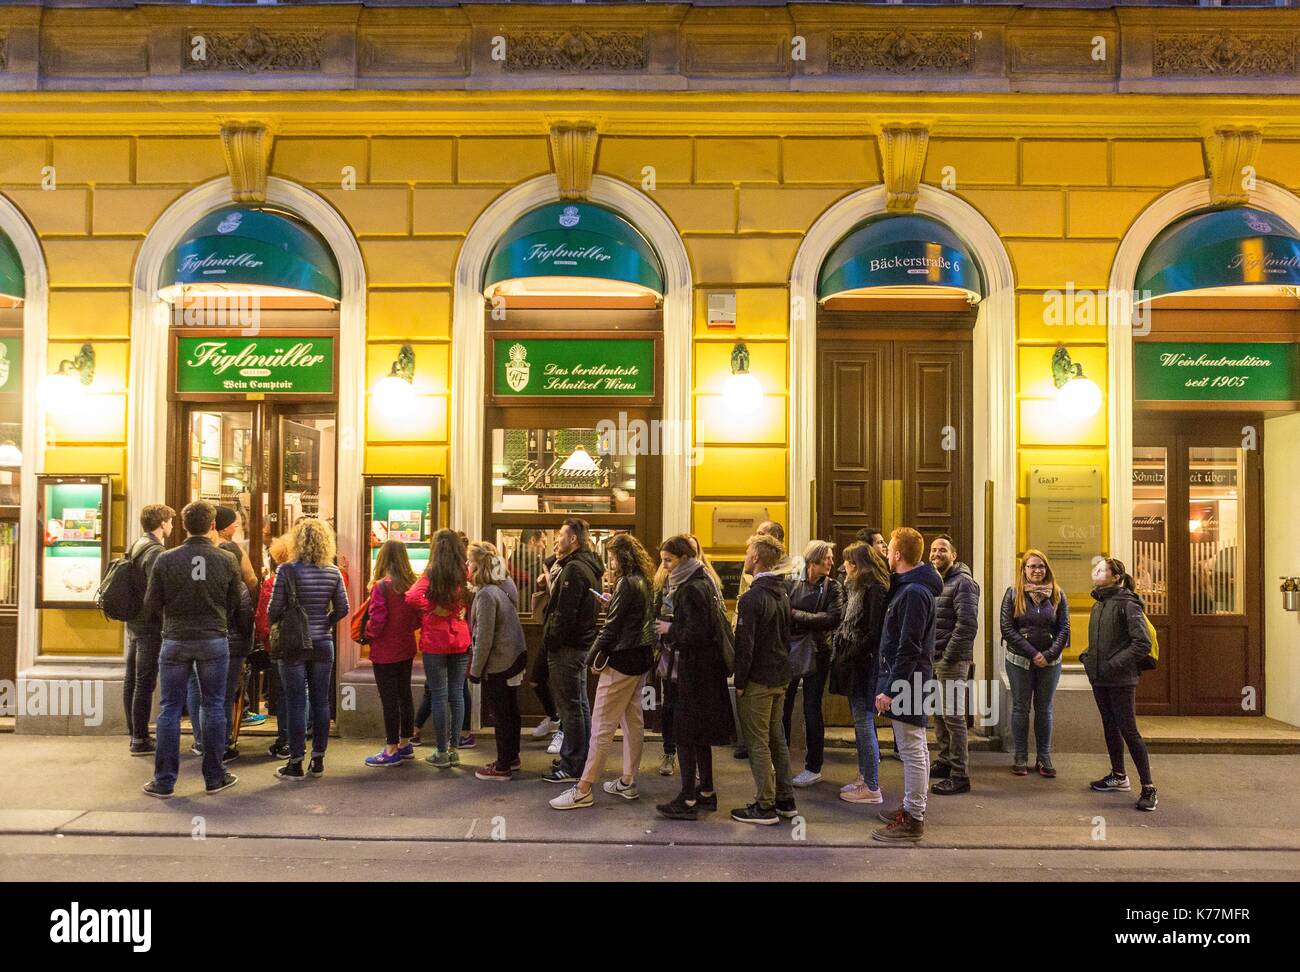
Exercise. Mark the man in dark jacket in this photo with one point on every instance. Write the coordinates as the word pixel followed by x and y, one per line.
pixel 762 674
pixel 906 658
pixel 957 613
pixel 195 589
pixel 568 632
pixel 144 634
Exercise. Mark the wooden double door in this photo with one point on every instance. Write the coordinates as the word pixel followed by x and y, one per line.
pixel 1197 532
pixel 894 449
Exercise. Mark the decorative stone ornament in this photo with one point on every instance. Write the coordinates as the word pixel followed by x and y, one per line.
pixel 902 51
pixel 1230 159
pixel 903 153
pixel 1223 53
pixel 247 147
pixel 573 151
pixel 576 49
pixel 253 50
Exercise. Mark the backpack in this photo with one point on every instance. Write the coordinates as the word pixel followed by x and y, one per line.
pixel 120 596
pixel 1150 661
pixel 291 635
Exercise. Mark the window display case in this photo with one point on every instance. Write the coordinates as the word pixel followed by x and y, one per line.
pixel 74 514
pixel 405 508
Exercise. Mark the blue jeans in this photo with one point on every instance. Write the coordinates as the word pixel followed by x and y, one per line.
pixel 300 680
pixel 444 677
pixel 208 658
pixel 1034 686
pixel 567 670
pixel 194 698
pixel 862 703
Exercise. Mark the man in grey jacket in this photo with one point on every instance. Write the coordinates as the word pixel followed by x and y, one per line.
pixel 957 610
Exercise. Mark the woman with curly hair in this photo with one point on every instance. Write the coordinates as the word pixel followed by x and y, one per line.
pixel 311 568
pixel 441 597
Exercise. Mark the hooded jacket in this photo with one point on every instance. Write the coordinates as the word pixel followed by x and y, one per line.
pixel 956 617
pixel 907 642
pixel 569 620
pixel 762 633
pixel 1117 638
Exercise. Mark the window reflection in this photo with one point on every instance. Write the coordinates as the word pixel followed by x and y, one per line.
pixel 529 555
pixel 573 471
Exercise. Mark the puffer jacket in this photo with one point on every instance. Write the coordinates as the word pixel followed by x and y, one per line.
pixel 856 642
pixel 569 620
pixel 816 609
pixel 907 642
pixel 956 617
pixel 440 634
pixel 321 594
pixel 627 637
pixel 1117 638
pixel 1042 628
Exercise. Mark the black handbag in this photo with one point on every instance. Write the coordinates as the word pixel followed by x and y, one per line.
pixel 291 636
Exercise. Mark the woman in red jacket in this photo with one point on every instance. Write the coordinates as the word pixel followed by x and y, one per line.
pixel 441 598
pixel 390 631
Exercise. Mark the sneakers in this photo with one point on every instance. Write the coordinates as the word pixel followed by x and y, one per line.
pixel 252 719
pixel 227 781
pixel 491 773
pixel 517 765
pixel 952 785
pixel 678 809
pixel 861 793
pixel 940 771
pixel 291 771
pixel 1020 767
pixel 807 778
pixel 317 766
pixel 859 781
pixel 278 750
pixel 142 747
pixel 407 751
pixel 560 775
pixel 1147 801
pixel 903 828
pixel 786 808
pixel 545 728
pixel 667 764
pixel 1111 781
pixel 1045 768
pixel 155 790
pixel 196 750
pixel 557 741
pixel 230 755
pixel 467 741
pixel 385 758
pixel 616 787
pixel 454 756
pixel 415 740
pixel 440 758
pixel 756 813
pixel 572 799
pixel 706 803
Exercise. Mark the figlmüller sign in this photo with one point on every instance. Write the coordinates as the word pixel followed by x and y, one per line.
pixel 276 365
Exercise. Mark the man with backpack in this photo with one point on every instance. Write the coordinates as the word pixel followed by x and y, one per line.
pixel 762 674
pixel 194 588
pixel 143 633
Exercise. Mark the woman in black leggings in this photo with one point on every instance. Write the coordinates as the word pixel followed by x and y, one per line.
pixel 1119 650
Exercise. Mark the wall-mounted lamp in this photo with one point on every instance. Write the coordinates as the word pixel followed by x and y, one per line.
pixel 64 391
pixel 742 394
pixel 395 392
pixel 1078 397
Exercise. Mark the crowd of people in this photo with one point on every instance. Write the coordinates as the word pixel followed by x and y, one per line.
pixel 886 627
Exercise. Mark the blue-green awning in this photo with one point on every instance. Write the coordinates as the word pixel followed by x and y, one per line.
pixel 890 251
pixel 580 247
pixel 13 283
pixel 1235 247
pixel 252 250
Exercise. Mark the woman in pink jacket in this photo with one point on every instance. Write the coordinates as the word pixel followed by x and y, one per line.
pixel 390 631
pixel 441 598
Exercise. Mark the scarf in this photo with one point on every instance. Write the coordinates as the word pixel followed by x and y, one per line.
pixel 679 575
pixel 1039 592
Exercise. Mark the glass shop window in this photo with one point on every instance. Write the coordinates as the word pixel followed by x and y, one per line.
pixel 570 471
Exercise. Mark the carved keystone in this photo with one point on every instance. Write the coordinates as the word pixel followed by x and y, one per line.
pixel 573 147
pixel 903 151
pixel 248 156
pixel 1230 158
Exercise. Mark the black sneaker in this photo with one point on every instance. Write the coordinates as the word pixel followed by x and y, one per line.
pixel 756 813
pixel 951 785
pixel 560 775
pixel 1111 781
pixel 227 781
pixel 707 803
pixel 679 809
pixel 292 771
pixel 1147 801
pixel 230 755
pixel 940 771
pixel 786 808
pixel 196 750
pixel 155 790
pixel 317 766
pixel 278 750
pixel 142 747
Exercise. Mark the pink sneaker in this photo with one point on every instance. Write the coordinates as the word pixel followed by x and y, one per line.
pixel 850 787
pixel 861 793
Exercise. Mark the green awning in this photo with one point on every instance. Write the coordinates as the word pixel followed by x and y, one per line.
pixel 13 283
pixel 888 252
pixel 251 250
pixel 1237 247
pixel 574 248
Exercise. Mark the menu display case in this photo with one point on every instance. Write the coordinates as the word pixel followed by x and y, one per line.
pixel 74 515
pixel 404 508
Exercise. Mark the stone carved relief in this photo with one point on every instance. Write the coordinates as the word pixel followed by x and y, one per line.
pixel 576 49
pixel 1223 52
pixel 901 51
pixel 254 50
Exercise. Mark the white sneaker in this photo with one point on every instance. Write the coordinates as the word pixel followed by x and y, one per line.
pixel 544 728
pixel 616 787
pixel 807 778
pixel 572 799
pixel 556 742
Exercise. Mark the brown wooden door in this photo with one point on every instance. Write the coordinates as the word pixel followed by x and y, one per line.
pixel 1198 508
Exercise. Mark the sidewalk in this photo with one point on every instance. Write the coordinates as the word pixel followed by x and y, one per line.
pixel 90 786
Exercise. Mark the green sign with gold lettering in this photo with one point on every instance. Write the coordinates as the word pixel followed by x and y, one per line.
pixel 591 368
pixel 270 365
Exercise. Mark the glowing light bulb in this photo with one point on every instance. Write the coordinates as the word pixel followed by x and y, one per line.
pixel 1079 397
